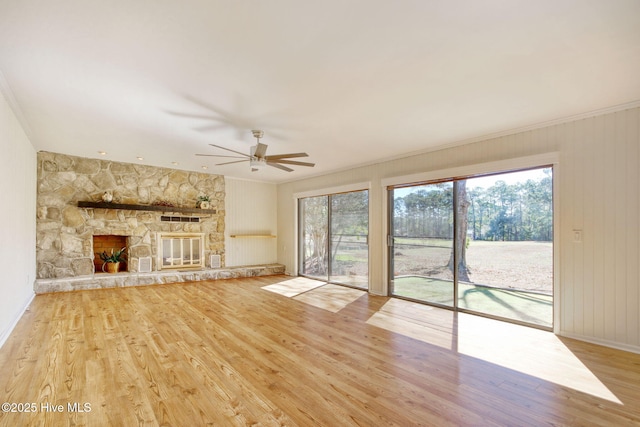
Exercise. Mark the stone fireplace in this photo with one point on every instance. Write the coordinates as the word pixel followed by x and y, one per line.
pixel 147 201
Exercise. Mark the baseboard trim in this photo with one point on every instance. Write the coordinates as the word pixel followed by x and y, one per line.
pixel 602 342
pixel 7 332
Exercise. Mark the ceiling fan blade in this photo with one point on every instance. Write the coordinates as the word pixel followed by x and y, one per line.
pixel 192 116
pixel 228 163
pixel 208 128
pixel 276 165
pixel 293 162
pixel 219 155
pixel 286 156
pixel 261 150
pixel 228 149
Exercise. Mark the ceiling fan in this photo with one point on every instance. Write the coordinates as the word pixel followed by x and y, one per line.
pixel 257 157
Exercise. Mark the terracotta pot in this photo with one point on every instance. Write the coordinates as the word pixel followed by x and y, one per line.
pixel 111 267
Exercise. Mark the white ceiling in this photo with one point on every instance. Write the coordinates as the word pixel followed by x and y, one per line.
pixel 348 81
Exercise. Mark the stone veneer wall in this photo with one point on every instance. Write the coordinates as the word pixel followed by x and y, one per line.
pixel 64 243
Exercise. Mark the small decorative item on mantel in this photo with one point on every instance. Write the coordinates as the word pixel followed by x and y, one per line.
pixel 111 261
pixel 163 203
pixel 107 197
pixel 203 202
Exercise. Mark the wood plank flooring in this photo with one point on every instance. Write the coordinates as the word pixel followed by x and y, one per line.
pixel 280 351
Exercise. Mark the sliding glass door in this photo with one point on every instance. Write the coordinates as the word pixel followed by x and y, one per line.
pixel 334 238
pixel 314 234
pixel 349 237
pixel 481 244
pixel 422 243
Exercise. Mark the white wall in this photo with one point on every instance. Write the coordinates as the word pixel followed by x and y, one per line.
pixel 251 209
pixel 598 184
pixel 17 218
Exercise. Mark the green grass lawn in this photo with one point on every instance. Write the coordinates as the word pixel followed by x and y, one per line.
pixel 528 307
pixel 527 266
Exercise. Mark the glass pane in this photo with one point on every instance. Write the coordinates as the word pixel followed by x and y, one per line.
pixel 349 238
pixel 166 252
pixel 422 243
pixel 186 252
pixel 507 261
pixel 176 247
pixel 314 234
pixel 195 250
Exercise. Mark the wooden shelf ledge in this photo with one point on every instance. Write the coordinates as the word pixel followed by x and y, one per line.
pixel 131 207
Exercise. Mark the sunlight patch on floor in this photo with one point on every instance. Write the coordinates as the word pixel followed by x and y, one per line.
pixel 530 351
pixel 292 287
pixel 317 293
pixel 330 297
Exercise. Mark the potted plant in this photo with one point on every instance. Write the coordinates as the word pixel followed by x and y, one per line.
pixel 112 260
pixel 203 202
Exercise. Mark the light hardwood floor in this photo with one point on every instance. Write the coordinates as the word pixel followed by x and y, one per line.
pixel 288 351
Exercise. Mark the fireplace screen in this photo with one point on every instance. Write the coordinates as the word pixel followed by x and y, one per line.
pixel 181 250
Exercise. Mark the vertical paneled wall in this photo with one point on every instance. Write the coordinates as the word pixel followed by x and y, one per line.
pixel 251 212
pixel 17 219
pixel 598 184
pixel 600 195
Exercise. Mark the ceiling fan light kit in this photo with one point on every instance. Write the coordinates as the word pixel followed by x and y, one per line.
pixel 258 158
pixel 257 164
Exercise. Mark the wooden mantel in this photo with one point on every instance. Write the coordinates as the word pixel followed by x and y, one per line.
pixel 125 206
